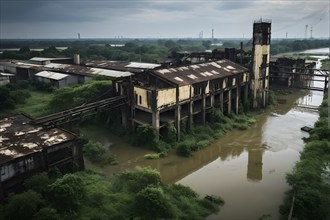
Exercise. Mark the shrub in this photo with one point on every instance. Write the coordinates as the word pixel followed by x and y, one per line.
pixel 152 203
pixel 23 206
pixel 146 136
pixel 152 156
pixel 171 133
pixel 96 152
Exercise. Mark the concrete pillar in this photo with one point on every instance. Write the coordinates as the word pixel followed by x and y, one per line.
pixel 155 112
pixel 237 100
pixel 246 94
pixel 191 115
pixel 212 100
pixel 124 119
pixel 204 109
pixel 178 121
pixel 221 101
pixel 229 102
pixel 156 122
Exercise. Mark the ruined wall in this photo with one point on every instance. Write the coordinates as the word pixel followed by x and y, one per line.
pixel 184 92
pixel 166 97
pixel 142 96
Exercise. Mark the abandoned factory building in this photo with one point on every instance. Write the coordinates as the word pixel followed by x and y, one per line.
pixel 26 149
pixel 172 94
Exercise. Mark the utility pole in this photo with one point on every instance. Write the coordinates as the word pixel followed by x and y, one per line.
pixel 306 29
pixel 311 32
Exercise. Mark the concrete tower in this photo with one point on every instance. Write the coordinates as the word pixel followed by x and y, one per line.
pixel 260 65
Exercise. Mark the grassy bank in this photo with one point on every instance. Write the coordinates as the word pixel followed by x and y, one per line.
pixel 36 105
pixel 310 178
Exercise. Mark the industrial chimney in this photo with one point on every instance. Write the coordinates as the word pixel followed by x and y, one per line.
pixel 76 59
pixel 260 62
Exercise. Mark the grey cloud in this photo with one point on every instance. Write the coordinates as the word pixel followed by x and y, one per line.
pixel 71 10
pixel 235 5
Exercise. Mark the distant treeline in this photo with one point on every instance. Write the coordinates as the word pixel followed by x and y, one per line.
pixel 145 50
pixel 284 46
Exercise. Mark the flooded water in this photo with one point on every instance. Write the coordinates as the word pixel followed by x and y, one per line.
pixel 246 168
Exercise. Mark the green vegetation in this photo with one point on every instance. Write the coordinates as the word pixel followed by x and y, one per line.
pixel 25 96
pixel 39 99
pixel 310 178
pixel 69 97
pixel 36 105
pixel 284 46
pixel 138 194
pixel 97 154
pixel 218 124
pixel 325 64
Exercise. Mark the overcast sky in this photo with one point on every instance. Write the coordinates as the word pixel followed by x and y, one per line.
pixel 160 18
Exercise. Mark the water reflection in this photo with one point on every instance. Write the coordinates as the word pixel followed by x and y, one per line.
pixel 254 169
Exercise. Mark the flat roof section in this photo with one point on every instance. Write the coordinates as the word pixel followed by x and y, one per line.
pixel 51 75
pixel 19 138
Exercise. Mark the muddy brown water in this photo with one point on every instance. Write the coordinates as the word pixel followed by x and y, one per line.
pixel 246 168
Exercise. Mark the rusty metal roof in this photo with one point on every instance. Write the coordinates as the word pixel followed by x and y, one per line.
pixel 196 73
pixel 135 67
pixel 19 138
pixel 86 70
pixel 51 75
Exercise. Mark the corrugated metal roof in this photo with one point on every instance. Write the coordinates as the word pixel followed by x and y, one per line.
pixel 19 138
pixel 51 75
pixel 41 59
pixel 135 67
pixel 88 71
pixel 200 72
pixel 6 74
pixel 142 65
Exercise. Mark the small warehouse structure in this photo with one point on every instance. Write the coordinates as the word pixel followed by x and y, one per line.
pixel 58 80
pixel 6 78
pixel 26 149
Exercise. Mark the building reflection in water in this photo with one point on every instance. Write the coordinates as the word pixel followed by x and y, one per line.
pixel 254 170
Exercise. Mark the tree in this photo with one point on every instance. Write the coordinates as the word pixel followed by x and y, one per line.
pixel 65 193
pixel 152 203
pixel 47 214
pixel 23 206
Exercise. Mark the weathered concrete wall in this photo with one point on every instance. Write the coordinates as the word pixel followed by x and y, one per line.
pixel 184 92
pixel 141 97
pixel 166 97
pixel 260 86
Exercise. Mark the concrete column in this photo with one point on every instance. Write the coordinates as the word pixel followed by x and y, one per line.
pixel 155 112
pixel 221 101
pixel 229 102
pixel 212 100
pixel 156 122
pixel 124 119
pixel 204 109
pixel 246 94
pixel 237 100
pixel 191 115
pixel 178 121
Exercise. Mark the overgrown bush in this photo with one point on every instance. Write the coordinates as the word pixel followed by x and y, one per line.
pixel 69 97
pixel 146 136
pixel 170 134
pixel 137 194
pixel 96 152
